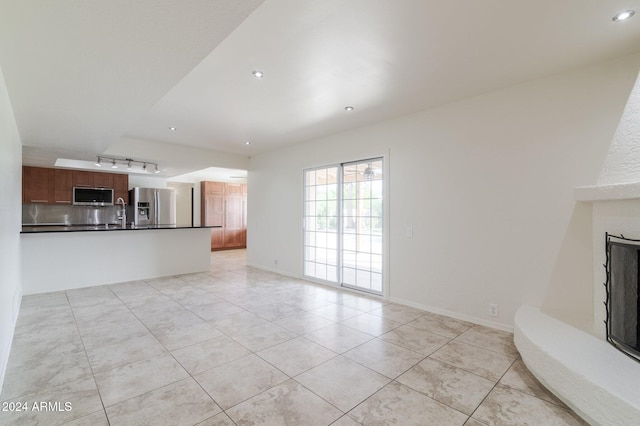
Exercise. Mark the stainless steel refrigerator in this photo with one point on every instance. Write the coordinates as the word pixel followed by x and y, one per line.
pixel 153 206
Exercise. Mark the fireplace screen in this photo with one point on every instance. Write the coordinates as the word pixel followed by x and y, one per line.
pixel 623 304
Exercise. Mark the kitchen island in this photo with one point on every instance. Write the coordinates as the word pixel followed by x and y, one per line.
pixel 60 257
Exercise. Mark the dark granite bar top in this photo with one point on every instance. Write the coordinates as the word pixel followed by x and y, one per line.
pixel 41 229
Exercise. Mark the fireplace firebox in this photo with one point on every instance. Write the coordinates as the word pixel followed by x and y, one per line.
pixel 623 301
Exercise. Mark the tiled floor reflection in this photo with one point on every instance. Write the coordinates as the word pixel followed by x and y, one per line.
pixel 238 345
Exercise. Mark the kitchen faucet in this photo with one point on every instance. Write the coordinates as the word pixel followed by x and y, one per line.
pixel 122 213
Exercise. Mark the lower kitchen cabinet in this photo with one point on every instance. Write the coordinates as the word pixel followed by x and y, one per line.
pixel 217 238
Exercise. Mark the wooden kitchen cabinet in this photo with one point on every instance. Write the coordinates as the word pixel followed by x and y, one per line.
pixel 37 185
pixel 55 186
pixel 94 179
pixel 223 204
pixel 212 211
pixel 210 188
pixel 62 186
pixel 121 187
pixel 234 216
pixel 103 180
pixel 82 178
pixel 217 238
pixel 234 189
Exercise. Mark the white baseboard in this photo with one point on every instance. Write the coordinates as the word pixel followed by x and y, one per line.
pixel 432 309
pixel 455 315
pixel 274 270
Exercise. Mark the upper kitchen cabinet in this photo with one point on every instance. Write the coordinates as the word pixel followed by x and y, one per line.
pixel 210 188
pixel 121 187
pixel 103 180
pixel 55 186
pixel 82 178
pixel 62 186
pixel 234 189
pixel 96 179
pixel 92 179
pixel 37 185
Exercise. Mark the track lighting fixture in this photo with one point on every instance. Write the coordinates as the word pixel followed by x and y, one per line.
pixel 129 162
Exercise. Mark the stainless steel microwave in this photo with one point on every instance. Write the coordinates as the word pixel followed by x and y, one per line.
pixel 83 196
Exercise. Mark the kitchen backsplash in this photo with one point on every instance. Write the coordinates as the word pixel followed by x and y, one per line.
pixel 45 214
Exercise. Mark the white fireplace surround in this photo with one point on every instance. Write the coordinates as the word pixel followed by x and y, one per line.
pixel 591 376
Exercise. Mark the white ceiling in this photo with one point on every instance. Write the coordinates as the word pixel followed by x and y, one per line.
pixel 81 75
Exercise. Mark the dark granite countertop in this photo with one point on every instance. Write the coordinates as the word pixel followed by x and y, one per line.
pixel 40 229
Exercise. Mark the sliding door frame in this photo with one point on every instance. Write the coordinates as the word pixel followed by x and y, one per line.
pixel 386 271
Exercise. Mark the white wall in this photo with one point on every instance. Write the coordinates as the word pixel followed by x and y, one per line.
pixel 182 180
pixel 487 185
pixel 10 223
pixel 184 203
pixel 142 181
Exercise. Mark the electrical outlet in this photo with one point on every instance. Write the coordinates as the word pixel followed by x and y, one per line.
pixel 275 262
pixel 493 309
pixel 409 232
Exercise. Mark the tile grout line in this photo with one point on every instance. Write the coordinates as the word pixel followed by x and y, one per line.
pixel 172 356
pixel 491 390
pixel 93 376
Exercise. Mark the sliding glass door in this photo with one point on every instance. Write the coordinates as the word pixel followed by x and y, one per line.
pixel 343 221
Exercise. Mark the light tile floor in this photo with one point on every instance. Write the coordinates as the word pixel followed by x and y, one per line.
pixel 243 346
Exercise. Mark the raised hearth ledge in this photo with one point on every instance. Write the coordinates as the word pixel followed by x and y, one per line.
pixel 597 381
pixel 618 191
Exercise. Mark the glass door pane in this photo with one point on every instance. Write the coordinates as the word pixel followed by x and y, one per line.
pixel 321 219
pixel 362 222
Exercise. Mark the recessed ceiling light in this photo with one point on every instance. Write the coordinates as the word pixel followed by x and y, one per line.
pixel 247 143
pixel 623 16
pixel 348 108
pixel 258 74
pixel 173 129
